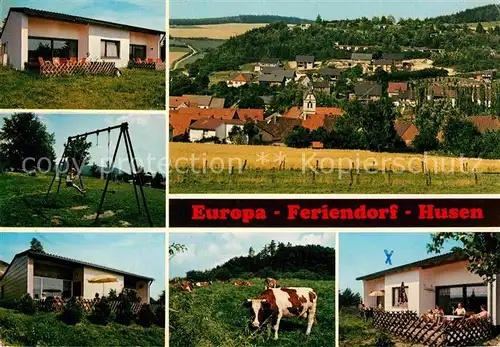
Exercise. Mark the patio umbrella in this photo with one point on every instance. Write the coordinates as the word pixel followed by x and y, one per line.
pixel 103 279
pixel 377 293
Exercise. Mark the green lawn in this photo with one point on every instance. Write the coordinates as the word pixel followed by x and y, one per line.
pixel 214 316
pixel 295 182
pixel 136 89
pixel 23 204
pixel 45 329
pixel 354 331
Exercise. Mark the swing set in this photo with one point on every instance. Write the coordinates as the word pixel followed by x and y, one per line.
pixel 134 169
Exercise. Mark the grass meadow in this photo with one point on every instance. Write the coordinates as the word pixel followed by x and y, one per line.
pixel 23 202
pixel 213 31
pixel 136 89
pixel 271 169
pixel 214 316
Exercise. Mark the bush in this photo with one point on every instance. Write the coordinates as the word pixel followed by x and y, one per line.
pixel 160 316
pixel 146 316
pixel 425 142
pixel 247 275
pixel 383 340
pixel 125 315
pixel 26 304
pixel 348 299
pixel 73 313
pixel 102 313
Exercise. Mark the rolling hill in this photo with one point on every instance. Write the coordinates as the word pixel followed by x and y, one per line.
pixel 239 19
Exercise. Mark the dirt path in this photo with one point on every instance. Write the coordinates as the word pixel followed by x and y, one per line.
pixel 186 57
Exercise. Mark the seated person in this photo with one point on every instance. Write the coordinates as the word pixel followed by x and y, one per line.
pixel 459 311
pixel 482 314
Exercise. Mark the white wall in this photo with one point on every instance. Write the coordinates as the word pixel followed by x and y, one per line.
pixel 370 286
pixel 411 279
pixel 61 30
pixel 90 289
pixel 152 43
pixel 15 35
pixel 223 130
pixel 97 33
pixel 196 134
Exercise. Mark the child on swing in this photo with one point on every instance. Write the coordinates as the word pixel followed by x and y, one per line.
pixel 70 176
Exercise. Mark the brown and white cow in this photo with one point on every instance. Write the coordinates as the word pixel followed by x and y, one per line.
pixel 186 286
pixel 270 283
pixel 203 284
pixel 276 303
pixel 242 283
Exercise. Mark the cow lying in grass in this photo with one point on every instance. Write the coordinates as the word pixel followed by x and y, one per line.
pixel 276 303
pixel 270 283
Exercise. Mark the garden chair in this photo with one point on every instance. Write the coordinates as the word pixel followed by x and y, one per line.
pixel 83 60
pixel 150 60
pixel 41 61
pixel 56 61
pixel 63 61
pixel 158 60
pixel 73 60
pixel 138 60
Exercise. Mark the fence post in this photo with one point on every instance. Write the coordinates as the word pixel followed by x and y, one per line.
pixel 475 176
pixel 390 173
pixel 244 165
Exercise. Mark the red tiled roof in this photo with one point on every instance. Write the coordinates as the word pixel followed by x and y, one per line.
pixel 329 111
pixel 440 91
pixel 206 124
pixel 406 130
pixel 176 101
pixel 182 118
pixel 295 113
pixel 396 87
pixel 316 121
pixel 484 123
pixel 251 113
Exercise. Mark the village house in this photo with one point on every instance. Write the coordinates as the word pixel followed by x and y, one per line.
pixel 404 100
pixel 406 130
pixel 441 280
pixel 396 88
pixel 29 34
pixel 272 70
pixel 305 81
pixel 200 101
pixel 330 74
pixel 239 79
pixel 203 128
pixel 36 273
pixel 267 62
pixel 275 129
pixel 382 64
pixel 272 80
pixel 484 123
pixel 305 62
pixel 362 59
pixel 367 91
pixel 321 86
pixel 226 126
pixel 250 114
pixel 437 92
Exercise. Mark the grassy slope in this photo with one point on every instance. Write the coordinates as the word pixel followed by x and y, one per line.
pixel 295 182
pixel 23 203
pixel 214 316
pixel 45 329
pixel 137 89
pixel 353 331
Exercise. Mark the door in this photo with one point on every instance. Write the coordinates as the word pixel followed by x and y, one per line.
pixel 77 288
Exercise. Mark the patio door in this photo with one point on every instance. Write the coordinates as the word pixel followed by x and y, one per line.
pixel 47 48
pixel 470 296
pixel 77 288
pixel 137 51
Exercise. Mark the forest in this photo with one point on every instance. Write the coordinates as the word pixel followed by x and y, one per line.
pixel 488 13
pixel 238 19
pixel 277 260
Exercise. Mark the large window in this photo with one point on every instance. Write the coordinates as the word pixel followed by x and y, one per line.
pixel 110 49
pixel 137 51
pixel 44 287
pixel 470 296
pixel 47 48
pixel 399 300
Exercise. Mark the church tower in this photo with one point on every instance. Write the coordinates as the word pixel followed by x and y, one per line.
pixel 309 105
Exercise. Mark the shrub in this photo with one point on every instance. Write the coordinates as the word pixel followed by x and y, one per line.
pixel 102 313
pixel 26 304
pixel 383 340
pixel 112 295
pixel 73 313
pixel 146 316
pixel 125 315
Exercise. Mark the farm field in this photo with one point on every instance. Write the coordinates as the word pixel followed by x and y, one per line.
pixel 136 89
pixel 214 31
pixel 263 174
pixel 176 53
pixel 214 316
pixel 23 203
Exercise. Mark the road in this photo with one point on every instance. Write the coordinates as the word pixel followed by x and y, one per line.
pixel 176 64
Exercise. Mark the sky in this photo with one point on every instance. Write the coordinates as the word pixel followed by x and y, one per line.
pixel 207 250
pixel 147 132
pixel 363 253
pixel 142 254
pixel 328 9
pixel 143 13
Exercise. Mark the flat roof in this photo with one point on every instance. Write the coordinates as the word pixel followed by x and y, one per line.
pixel 80 20
pixel 442 259
pixel 47 256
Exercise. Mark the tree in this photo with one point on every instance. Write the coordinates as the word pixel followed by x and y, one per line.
pixel 36 246
pixel 481 249
pixel 237 136
pixel 78 151
pixel 251 131
pixel 319 20
pixel 251 252
pixel 94 170
pixel 461 137
pixel 175 248
pixel 25 142
pixel 348 299
pixel 157 180
pixel 480 29
pixel 251 100
pixel 300 137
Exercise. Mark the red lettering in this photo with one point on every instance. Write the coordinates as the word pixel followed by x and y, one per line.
pixel 198 212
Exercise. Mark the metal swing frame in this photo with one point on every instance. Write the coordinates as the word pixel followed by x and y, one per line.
pixel 124 133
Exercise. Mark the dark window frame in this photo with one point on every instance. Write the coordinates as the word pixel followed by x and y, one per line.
pixel 118 50
pixel 394 298
pixel 138 46
pixel 52 39
pixel 464 292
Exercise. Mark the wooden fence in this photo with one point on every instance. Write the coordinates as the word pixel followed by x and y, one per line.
pixel 91 68
pixel 88 305
pixel 157 65
pixel 407 325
